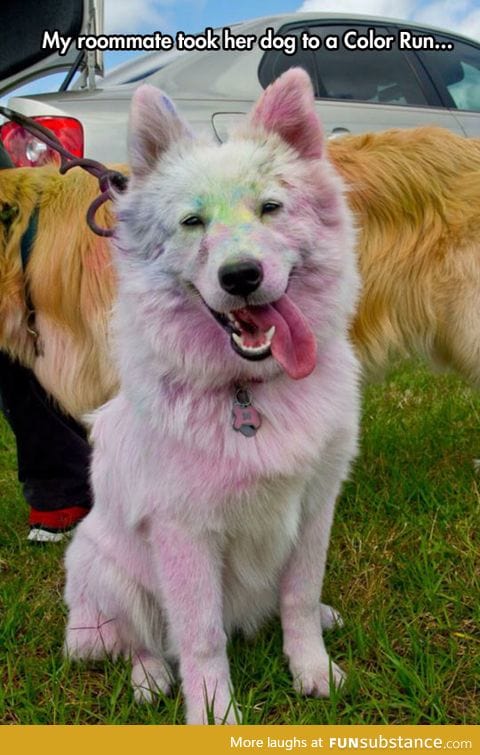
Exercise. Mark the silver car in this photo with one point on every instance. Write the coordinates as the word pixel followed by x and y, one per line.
pixel 366 84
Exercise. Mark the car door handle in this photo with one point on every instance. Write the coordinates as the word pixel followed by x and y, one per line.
pixel 338 131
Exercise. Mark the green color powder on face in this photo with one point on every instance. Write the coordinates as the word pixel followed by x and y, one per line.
pixel 233 206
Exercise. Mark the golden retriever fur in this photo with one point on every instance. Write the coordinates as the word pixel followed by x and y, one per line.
pixel 70 281
pixel 416 196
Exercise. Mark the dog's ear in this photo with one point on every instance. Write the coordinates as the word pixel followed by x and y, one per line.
pixel 287 108
pixel 154 125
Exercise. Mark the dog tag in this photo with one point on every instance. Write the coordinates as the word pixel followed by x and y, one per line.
pixel 246 418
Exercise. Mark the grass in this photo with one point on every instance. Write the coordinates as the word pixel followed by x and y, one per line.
pixel 403 569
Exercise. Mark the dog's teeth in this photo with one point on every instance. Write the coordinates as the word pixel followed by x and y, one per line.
pixel 233 321
pixel 249 349
pixel 269 334
pixel 255 349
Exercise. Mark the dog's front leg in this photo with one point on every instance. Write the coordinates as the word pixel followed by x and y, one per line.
pixel 190 574
pixel 300 592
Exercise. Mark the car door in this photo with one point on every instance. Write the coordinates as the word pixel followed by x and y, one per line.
pixel 362 90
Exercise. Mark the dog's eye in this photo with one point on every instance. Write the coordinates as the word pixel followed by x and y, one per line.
pixel 269 207
pixel 192 220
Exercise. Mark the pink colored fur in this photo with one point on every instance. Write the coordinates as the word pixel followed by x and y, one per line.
pixel 196 529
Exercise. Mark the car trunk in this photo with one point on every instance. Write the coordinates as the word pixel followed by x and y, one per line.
pixel 22 33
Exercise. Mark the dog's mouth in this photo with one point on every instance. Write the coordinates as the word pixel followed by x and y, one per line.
pixel 277 329
pixel 246 338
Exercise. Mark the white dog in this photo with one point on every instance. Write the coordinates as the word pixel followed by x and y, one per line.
pixel 217 466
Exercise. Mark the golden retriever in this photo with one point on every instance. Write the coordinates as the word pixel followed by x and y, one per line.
pixel 416 198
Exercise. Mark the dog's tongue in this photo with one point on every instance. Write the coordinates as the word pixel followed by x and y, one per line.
pixel 293 345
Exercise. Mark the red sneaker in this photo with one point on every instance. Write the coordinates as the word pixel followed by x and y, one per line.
pixel 52 526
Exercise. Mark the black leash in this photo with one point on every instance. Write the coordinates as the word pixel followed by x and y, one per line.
pixel 107 179
pixel 26 246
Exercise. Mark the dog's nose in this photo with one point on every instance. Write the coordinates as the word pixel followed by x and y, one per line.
pixel 240 278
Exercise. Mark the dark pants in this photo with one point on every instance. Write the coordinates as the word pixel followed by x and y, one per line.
pixel 52 449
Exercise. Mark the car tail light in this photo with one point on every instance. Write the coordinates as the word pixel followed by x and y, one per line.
pixel 26 150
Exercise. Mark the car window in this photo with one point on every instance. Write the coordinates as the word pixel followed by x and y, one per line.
pixel 381 76
pixel 376 76
pixel 456 73
pixel 276 62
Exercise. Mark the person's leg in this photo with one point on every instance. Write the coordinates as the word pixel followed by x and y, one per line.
pixel 52 450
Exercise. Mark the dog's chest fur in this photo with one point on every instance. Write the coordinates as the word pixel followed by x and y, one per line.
pixel 254 531
pixel 186 463
pixel 200 468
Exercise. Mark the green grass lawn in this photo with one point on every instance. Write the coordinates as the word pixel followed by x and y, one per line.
pixel 404 570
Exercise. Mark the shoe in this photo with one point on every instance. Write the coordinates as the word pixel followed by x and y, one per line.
pixel 54 526
pixel 39 535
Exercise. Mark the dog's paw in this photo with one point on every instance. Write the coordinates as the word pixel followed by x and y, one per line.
pixel 150 678
pixel 330 618
pixel 221 709
pixel 317 678
pixel 90 644
pixel 230 716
